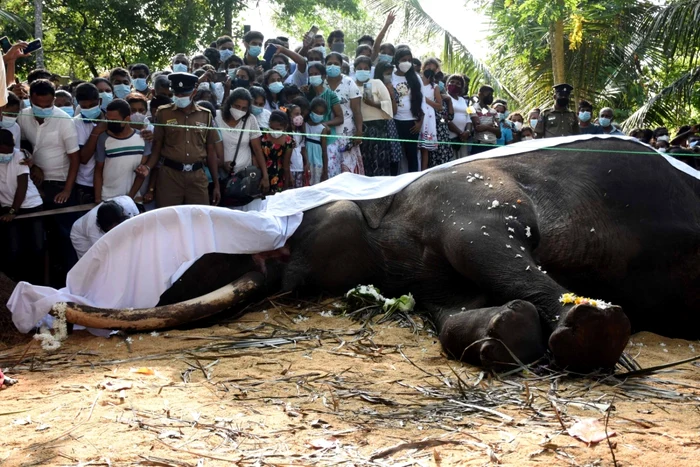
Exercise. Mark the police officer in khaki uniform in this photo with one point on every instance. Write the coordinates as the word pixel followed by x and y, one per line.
pixel 559 120
pixel 183 141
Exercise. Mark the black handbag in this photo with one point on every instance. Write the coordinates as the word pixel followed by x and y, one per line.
pixel 243 187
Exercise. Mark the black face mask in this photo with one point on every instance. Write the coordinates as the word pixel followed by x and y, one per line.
pixel 488 100
pixel 563 101
pixel 429 74
pixel 115 127
pixel 242 83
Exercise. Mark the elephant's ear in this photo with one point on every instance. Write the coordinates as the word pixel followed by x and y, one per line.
pixel 374 210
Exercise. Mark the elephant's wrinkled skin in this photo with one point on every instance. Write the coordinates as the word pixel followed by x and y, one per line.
pixel 624 228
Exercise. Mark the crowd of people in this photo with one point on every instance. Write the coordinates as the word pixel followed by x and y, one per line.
pixel 136 139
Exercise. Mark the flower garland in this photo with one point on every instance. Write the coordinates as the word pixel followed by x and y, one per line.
pixel 571 298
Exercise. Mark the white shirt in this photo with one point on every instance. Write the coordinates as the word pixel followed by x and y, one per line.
pixel 403 104
pixel 230 138
pixel 461 117
pixel 85 231
pixel 86 172
pixel 264 119
pixel 16 133
pixel 297 160
pixel 298 78
pixel 52 141
pixel 3 85
pixel 8 183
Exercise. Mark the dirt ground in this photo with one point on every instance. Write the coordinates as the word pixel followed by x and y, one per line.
pixel 294 386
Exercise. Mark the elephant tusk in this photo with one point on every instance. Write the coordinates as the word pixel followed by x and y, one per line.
pixel 166 316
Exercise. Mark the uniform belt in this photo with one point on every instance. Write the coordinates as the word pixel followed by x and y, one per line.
pixel 179 166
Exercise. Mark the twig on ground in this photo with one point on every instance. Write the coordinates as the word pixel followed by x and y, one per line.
pixel 607 418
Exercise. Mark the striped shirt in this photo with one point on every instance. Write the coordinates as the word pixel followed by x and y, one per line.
pixel 120 157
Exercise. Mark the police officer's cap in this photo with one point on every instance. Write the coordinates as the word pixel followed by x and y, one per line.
pixel 182 83
pixel 563 88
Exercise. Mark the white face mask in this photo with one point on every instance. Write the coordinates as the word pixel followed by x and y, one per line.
pixel 7 121
pixel 138 117
pixel 405 66
pixel 527 138
pixel 276 134
pixel 518 126
pixel 663 149
pixel 237 114
pixel 6 158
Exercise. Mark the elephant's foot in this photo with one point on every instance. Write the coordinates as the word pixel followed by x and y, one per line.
pixel 515 325
pixel 589 338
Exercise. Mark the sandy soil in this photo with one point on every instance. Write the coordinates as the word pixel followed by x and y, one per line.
pixel 342 396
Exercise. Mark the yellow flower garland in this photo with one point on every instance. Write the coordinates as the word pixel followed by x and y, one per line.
pixel 572 298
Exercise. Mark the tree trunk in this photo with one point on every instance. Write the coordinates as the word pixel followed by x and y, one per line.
pixel 39 31
pixel 556 43
pixel 228 18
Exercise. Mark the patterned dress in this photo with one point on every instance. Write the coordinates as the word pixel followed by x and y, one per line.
pixel 274 157
pixel 444 152
pixel 351 159
pixel 428 134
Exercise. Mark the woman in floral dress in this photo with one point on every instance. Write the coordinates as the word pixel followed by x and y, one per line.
pixel 277 149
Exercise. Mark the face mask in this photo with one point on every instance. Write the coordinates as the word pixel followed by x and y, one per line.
pixel 179 68
pixel 338 47
pixel 7 121
pixel 405 66
pixel 204 86
pixel 385 58
pixel 121 90
pixel 281 69
pixel 242 83
pixel 316 118
pixel 27 103
pixel 140 84
pixel 298 120
pixel 694 143
pixel 42 113
pixel 429 74
pixel 362 75
pixel 333 71
pixel 387 79
pixel 663 149
pixel 254 50
pixel 315 80
pixel 663 138
pixel 232 73
pixel 441 85
pixel 321 49
pixel 518 126
pixel 275 88
pixel 604 122
pixel 106 97
pixel 6 158
pixel 275 134
pixel 563 101
pixel 533 122
pixel 69 110
pixel 584 116
pixel 255 110
pixel 138 117
pixel 91 113
pixel 115 127
pixel 527 138
pixel 501 116
pixel 488 100
pixel 238 114
pixel 225 54
pixel 182 102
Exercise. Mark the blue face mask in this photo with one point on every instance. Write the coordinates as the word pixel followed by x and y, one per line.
pixel 179 68
pixel 91 113
pixel 232 73
pixel 254 50
pixel 333 71
pixel 225 54
pixel 255 110
pixel 42 113
pixel 316 118
pixel 275 88
pixel 281 69
pixel 182 102
pixel 604 122
pixel 140 84
pixel 106 97
pixel 386 58
pixel 584 116
pixel 694 144
pixel 441 85
pixel 363 75
pixel 533 122
pixel 69 110
pixel 315 80
pixel 6 158
pixel 122 90
pixel 27 103
pixel 7 121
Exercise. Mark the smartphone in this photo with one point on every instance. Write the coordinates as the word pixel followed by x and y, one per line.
pixel 63 80
pixel 221 77
pixel 33 46
pixel 312 32
pixel 246 28
pixel 367 91
pixel 5 44
pixel 270 52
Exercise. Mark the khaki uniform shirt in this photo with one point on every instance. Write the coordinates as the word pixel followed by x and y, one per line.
pixel 184 145
pixel 553 123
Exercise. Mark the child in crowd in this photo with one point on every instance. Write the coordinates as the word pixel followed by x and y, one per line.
pixel 277 149
pixel 299 164
pixel 8 116
pixel 261 114
pixel 317 141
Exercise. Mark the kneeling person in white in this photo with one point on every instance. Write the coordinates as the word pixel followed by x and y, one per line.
pixel 119 151
pixel 22 242
pixel 100 220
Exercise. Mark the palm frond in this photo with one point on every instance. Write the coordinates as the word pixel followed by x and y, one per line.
pixel 7 17
pixel 675 27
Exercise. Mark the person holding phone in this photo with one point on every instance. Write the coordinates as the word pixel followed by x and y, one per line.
pixel 9 58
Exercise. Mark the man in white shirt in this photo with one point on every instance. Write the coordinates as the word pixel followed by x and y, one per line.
pixel 101 219
pixel 55 145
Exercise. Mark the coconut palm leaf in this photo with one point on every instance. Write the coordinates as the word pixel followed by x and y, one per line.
pixel 7 17
pixel 675 27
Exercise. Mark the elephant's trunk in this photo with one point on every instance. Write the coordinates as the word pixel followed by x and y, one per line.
pixel 166 316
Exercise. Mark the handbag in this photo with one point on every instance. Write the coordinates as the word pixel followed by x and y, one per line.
pixel 244 186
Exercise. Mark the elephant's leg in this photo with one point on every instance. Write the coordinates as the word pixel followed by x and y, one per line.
pixel 487 336
pixel 581 337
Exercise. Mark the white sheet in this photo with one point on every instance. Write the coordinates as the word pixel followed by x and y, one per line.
pixel 136 262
